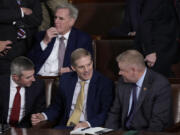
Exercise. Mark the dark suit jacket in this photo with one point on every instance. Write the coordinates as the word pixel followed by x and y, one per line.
pixel 157 32
pixel 34 100
pixel 154 106
pixel 100 95
pixel 77 39
pixel 9 13
pixel 130 20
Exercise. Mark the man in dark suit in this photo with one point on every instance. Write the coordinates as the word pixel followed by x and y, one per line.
pixel 17 17
pixel 46 50
pixel 98 95
pixel 156 34
pixel 22 95
pixel 143 97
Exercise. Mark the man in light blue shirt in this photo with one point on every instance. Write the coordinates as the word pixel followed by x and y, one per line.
pixel 143 97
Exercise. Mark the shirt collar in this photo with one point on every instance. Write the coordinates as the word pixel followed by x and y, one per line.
pixel 66 36
pixel 140 81
pixel 79 80
pixel 13 84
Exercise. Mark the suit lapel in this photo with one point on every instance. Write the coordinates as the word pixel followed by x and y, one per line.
pixel 71 45
pixel 91 92
pixel 27 100
pixel 144 89
pixel 126 98
pixel 6 93
pixel 70 91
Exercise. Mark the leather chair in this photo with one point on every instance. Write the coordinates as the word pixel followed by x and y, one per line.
pixel 106 51
pixel 176 102
pixel 51 86
pixel 175 85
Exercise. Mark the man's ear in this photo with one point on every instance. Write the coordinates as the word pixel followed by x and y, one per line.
pixel 15 77
pixel 73 68
pixel 72 22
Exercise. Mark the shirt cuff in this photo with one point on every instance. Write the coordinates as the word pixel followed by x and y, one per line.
pixel 88 123
pixel 43 45
pixel 22 13
pixel 45 116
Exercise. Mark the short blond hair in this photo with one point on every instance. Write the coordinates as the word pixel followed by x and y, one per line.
pixel 79 53
pixel 132 57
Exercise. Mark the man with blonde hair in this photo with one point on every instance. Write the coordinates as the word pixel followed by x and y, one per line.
pixel 143 97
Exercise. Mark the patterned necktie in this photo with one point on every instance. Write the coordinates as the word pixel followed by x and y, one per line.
pixel 61 52
pixel 133 106
pixel 21 33
pixel 15 112
pixel 75 117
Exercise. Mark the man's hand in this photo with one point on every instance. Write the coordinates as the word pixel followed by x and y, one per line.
pixel 64 70
pixel 4 47
pixel 36 118
pixel 26 11
pixel 132 34
pixel 81 125
pixel 151 59
pixel 50 33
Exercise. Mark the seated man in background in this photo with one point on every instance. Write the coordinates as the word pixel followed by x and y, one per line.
pixel 22 95
pixel 84 96
pixel 143 99
pixel 51 54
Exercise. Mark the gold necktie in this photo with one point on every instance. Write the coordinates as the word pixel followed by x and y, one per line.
pixel 75 117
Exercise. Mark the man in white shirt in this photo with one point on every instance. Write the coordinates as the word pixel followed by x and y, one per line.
pixel 84 96
pixel 22 94
pixel 47 49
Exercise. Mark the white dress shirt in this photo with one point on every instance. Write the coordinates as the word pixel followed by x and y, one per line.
pixel 50 66
pixel 13 91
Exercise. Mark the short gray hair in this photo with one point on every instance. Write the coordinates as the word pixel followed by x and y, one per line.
pixel 73 11
pixel 79 53
pixel 132 57
pixel 20 64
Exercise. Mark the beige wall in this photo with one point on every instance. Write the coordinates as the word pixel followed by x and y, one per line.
pixel 46 18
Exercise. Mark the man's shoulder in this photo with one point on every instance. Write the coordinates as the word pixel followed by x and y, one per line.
pixel 100 77
pixel 156 77
pixel 68 75
pixel 38 82
pixel 80 33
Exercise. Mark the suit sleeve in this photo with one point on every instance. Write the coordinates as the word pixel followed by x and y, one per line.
pixel 34 20
pixel 114 116
pixel 162 109
pixel 9 14
pixel 41 100
pixel 152 12
pixel 54 111
pixel 105 103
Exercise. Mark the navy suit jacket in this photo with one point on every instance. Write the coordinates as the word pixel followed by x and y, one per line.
pixel 77 39
pixel 154 106
pixel 100 96
pixel 34 100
